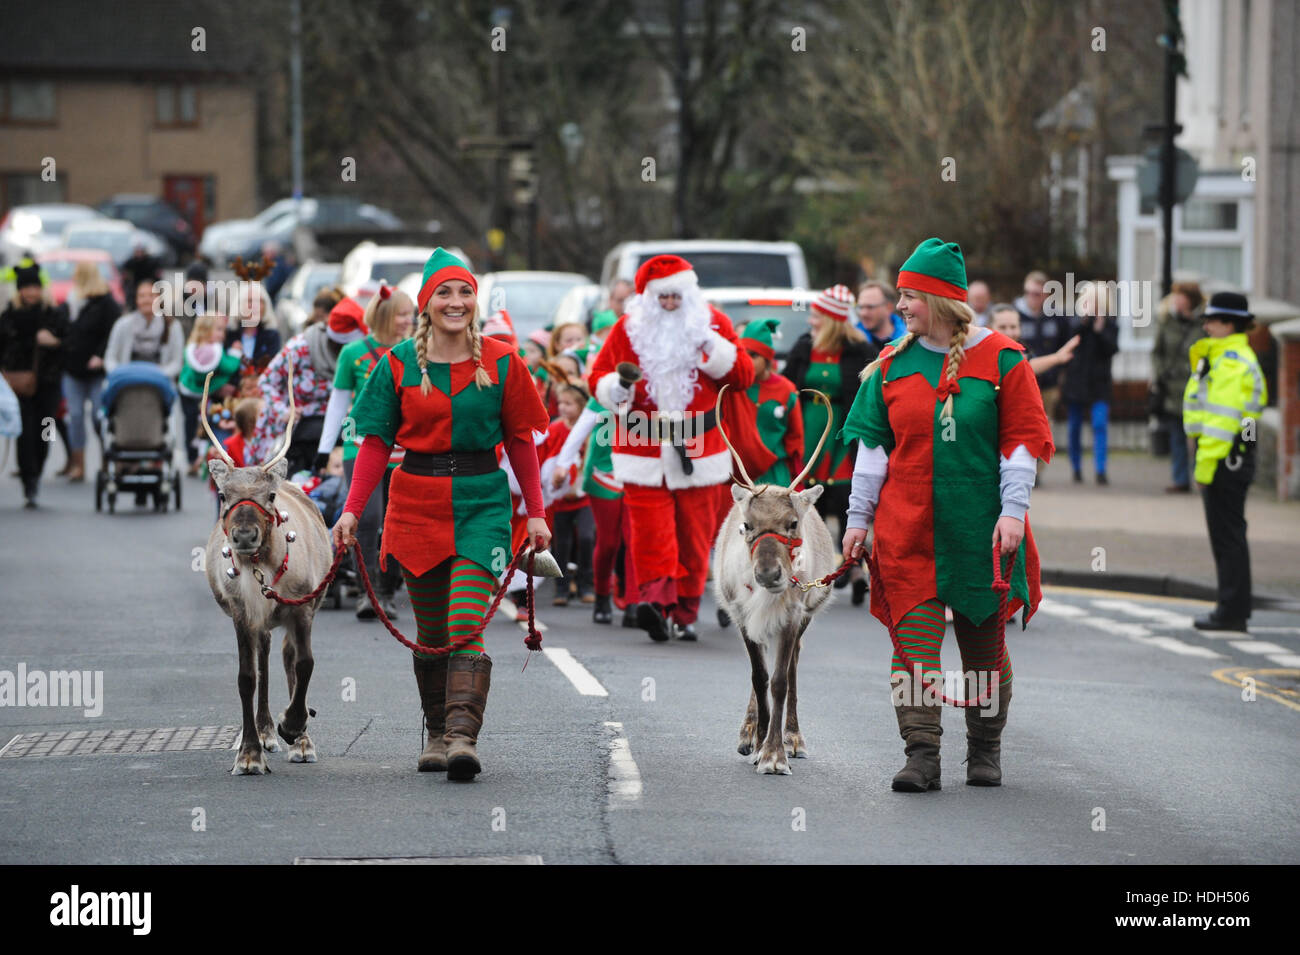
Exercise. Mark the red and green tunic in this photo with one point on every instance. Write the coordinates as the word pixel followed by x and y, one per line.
pixel 835 464
pixel 780 425
pixel 431 519
pixel 598 462
pixel 941 496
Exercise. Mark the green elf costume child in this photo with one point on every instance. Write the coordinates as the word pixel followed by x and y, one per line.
pixel 950 423
pixel 775 400
pixel 449 396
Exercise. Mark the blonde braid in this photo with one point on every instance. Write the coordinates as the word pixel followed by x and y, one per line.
pixel 422 351
pixel 956 351
pixel 481 377
pixel 902 344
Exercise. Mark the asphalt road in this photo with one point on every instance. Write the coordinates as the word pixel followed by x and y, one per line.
pixel 1117 708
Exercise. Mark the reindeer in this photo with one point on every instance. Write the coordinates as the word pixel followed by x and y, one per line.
pixel 247 547
pixel 771 535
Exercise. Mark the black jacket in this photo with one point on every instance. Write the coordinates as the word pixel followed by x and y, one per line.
pixel 88 336
pixel 265 348
pixel 18 327
pixel 1086 377
pixel 854 357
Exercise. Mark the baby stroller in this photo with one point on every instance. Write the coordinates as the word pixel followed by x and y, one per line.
pixel 135 432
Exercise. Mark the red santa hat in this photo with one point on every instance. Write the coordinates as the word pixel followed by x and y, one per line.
pixel 665 273
pixel 834 302
pixel 347 321
pixel 499 325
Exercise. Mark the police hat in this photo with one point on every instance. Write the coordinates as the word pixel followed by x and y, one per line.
pixel 1229 307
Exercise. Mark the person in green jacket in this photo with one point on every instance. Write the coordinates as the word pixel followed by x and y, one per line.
pixel 204 352
pixel 1178 328
pixel 1221 405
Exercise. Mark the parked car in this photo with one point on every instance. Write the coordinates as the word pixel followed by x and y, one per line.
pixel 577 305
pixel 153 215
pixel 38 228
pixel 60 264
pixel 218 234
pixel 530 297
pixel 297 294
pixel 720 263
pixel 118 238
pixel 317 214
pixel 745 305
pixel 369 262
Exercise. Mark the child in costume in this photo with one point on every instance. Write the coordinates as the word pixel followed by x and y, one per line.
pixel 449 396
pixel 567 506
pixel 950 423
pixel 777 410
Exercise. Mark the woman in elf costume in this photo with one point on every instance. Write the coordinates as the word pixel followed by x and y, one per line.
pixel 950 423
pixel 387 320
pixel 448 396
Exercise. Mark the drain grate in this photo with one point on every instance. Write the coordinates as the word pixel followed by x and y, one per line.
pixel 106 742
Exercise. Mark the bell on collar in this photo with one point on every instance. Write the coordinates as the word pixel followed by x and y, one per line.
pixel 284 516
pixel 291 537
pixel 232 572
pixel 225 551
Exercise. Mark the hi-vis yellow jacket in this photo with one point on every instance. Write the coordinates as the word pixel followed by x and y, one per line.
pixel 1226 389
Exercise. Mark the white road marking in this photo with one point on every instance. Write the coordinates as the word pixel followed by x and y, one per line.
pixel 1061 610
pixel 624 777
pixel 1140 634
pixel 8 744
pixel 1281 659
pixel 1255 629
pixel 578 675
pixel 1256 646
pixel 1178 646
pixel 1157 616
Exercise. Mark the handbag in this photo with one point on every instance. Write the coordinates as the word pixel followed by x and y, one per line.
pixel 23 383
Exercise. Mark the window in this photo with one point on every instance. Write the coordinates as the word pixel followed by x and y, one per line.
pixel 28 188
pixel 1222 262
pixel 28 101
pixel 1204 215
pixel 176 104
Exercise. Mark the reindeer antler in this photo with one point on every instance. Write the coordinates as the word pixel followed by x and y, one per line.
pixel 203 416
pixel 830 420
pixel 288 431
pixel 253 271
pixel 717 412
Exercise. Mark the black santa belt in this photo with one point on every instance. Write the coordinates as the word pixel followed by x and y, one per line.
pixel 451 464
pixel 674 431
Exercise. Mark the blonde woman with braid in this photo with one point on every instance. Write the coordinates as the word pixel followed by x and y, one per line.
pixel 950 423
pixel 450 397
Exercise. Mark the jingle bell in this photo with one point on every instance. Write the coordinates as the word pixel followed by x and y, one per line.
pixel 284 516
pixel 232 573
pixel 225 551
pixel 291 537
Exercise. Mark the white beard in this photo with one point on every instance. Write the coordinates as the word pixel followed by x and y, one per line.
pixel 668 346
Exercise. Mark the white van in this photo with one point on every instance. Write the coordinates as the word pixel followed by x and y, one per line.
pixel 720 263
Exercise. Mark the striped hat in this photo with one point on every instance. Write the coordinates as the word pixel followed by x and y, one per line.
pixel 834 302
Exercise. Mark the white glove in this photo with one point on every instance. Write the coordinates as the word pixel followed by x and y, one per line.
pixel 619 393
pixel 711 339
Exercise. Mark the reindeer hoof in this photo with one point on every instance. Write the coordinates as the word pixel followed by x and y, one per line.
pixel 772 763
pixel 250 763
pixel 748 739
pixel 287 734
pixel 302 751
pixel 269 742
pixel 795 746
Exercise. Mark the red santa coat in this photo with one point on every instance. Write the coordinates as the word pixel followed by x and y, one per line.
pixel 639 456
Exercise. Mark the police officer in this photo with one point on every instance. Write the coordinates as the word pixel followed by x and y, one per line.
pixel 1221 408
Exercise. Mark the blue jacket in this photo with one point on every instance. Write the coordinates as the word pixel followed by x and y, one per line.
pixel 899 329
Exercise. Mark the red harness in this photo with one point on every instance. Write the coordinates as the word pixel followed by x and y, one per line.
pixel 273 517
pixel 790 542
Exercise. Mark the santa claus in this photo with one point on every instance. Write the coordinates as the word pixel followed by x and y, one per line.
pixel 661 368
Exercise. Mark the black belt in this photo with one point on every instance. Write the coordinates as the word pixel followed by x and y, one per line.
pixel 451 464
pixel 674 432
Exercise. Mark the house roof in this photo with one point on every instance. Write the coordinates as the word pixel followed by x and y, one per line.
pixel 125 37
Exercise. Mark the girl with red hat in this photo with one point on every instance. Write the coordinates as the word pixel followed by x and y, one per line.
pixel 949 422
pixel 448 396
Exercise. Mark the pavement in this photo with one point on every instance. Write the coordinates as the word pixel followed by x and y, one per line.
pixel 1133 738
pixel 1130 535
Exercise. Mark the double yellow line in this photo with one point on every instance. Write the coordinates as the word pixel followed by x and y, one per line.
pixel 1236 676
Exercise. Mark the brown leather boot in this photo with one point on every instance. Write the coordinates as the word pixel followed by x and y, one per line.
pixel 920 728
pixel 468 679
pixel 984 741
pixel 76 469
pixel 431 677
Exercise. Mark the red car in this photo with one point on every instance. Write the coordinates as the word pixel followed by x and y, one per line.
pixel 59 264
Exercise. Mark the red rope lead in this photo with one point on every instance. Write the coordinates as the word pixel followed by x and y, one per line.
pixel 1001 586
pixel 533 641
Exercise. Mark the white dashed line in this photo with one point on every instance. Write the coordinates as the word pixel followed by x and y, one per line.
pixel 1255 629
pixel 1140 634
pixel 1286 659
pixel 1256 646
pixel 624 777
pixel 1060 609
pixel 1155 616
pixel 578 675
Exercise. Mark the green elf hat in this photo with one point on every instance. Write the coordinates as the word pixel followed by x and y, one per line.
pixel 757 337
pixel 441 267
pixel 602 320
pixel 936 267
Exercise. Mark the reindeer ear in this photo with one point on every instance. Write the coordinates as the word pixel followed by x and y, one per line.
pixel 740 494
pixel 279 470
pixel 219 470
pixel 809 496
